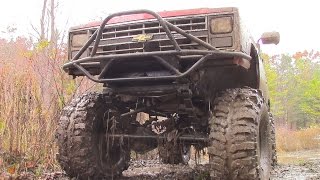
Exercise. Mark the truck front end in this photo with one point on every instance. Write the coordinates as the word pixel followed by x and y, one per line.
pixel 155 52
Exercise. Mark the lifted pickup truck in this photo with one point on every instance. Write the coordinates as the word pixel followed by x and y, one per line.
pixel 195 74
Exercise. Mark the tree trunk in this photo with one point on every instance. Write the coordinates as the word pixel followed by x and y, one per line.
pixel 53 37
pixel 42 21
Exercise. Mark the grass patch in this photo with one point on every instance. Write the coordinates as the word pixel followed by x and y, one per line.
pixel 296 140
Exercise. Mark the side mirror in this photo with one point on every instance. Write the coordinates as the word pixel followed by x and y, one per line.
pixel 270 38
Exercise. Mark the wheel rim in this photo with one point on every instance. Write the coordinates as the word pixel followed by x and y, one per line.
pixel 111 156
pixel 185 154
pixel 111 153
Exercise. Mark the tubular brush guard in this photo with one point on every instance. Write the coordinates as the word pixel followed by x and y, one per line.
pixel 204 55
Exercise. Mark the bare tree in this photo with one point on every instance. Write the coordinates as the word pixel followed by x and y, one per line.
pixel 53 31
pixel 42 20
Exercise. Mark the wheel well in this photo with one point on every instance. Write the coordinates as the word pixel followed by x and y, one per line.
pixel 251 77
pixel 255 59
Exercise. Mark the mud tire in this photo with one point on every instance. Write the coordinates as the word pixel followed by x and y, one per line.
pixel 273 141
pixel 240 131
pixel 79 135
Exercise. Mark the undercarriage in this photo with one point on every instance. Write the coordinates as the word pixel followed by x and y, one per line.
pixel 171 117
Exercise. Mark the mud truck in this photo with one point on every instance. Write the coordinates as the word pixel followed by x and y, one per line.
pixel 197 77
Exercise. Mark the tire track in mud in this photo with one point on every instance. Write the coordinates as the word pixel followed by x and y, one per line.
pixel 306 169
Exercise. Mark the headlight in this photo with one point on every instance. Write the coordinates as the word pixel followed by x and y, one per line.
pixel 221 25
pixel 78 40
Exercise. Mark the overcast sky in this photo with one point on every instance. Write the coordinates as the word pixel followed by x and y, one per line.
pixel 296 20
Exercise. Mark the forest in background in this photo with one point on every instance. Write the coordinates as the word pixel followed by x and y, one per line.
pixel 34 88
pixel 294 87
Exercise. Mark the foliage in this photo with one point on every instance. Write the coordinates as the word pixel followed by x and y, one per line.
pixel 33 90
pixel 294 85
pixel 28 108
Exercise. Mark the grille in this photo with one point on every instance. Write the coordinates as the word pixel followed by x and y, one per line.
pixel 117 39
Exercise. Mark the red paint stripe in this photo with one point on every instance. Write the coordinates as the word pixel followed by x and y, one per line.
pixel 164 14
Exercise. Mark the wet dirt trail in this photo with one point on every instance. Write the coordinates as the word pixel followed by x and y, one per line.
pixel 302 165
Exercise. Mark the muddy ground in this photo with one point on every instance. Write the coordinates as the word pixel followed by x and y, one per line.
pixel 298 165
pixel 303 165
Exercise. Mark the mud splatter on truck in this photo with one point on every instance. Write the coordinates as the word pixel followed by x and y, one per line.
pixel 198 76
